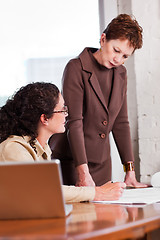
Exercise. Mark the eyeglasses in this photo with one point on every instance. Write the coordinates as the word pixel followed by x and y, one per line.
pixel 64 110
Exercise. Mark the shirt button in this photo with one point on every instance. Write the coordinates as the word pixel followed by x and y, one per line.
pixel 102 135
pixel 104 123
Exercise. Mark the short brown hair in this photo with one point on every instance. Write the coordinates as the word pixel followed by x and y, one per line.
pixel 125 26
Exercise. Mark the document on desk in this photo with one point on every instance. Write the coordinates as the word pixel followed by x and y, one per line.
pixel 137 196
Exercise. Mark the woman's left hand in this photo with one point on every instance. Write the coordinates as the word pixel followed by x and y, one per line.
pixel 130 180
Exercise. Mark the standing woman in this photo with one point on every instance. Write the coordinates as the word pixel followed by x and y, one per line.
pixel 95 91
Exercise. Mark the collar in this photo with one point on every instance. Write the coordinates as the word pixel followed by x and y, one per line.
pixel 44 152
pixel 87 64
pixel 86 59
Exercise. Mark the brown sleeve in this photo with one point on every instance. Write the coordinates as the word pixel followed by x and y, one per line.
pixel 121 134
pixel 73 93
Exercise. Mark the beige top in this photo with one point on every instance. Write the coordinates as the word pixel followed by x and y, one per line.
pixel 17 148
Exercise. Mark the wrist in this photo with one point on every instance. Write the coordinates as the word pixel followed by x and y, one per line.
pixel 82 169
pixel 129 167
pixel 83 176
pixel 97 193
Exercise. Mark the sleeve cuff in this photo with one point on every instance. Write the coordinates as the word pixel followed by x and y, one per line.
pixel 78 194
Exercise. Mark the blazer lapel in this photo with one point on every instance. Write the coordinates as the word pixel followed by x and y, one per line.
pixel 117 89
pixel 118 83
pixel 87 66
pixel 97 89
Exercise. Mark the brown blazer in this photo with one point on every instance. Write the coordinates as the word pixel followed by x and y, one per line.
pixel 90 121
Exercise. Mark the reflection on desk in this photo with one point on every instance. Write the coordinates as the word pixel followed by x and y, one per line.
pixel 88 221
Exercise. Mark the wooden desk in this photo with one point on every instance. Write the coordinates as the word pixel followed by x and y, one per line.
pixel 88 221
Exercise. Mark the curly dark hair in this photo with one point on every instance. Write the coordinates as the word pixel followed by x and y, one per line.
pixel 123 27
pixel 21 114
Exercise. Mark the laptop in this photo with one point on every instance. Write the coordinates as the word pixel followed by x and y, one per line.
pixel 32 190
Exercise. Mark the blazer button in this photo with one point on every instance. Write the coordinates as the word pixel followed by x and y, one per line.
pixel 102 135
pixel 104 123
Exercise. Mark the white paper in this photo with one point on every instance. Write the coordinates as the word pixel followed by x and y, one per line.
pixel 137 196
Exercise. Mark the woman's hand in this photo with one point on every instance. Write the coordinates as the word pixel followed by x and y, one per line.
pixel 84 177
pixel 109 191
pixel 130 180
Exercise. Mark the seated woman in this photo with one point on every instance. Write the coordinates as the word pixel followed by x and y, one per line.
pixel 28 120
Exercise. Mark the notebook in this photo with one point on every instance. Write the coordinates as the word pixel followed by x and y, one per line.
pixel 32 190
